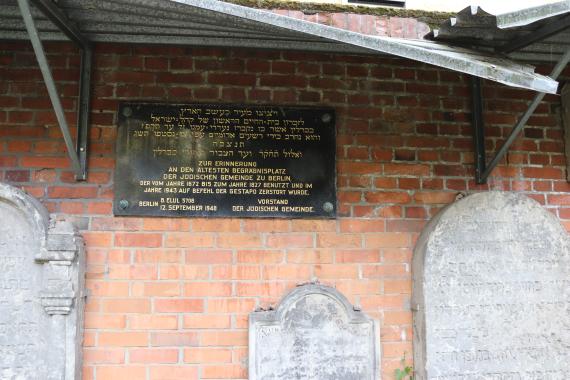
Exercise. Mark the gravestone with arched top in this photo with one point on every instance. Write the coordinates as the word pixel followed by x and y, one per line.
pixel 491 294
pixel 314 334
pixel 41 291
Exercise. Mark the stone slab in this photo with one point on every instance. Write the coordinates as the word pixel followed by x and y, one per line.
pixel 491 292
pixel 314 334
pixel 41 292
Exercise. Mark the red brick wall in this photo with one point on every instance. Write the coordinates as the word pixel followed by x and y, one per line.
pixel 169 298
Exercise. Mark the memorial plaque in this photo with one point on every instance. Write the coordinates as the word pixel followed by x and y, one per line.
pixel 41 297
pixel 492 292
pixel 225 160
pixel 314 334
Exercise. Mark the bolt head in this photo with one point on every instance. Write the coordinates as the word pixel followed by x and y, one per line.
pixel 328 207
pixel 127 111
pixel 326 118
pixel 123 204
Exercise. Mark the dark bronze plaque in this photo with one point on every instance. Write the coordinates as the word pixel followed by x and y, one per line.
pixel 225 160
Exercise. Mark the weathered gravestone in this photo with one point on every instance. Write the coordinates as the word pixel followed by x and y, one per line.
pixel 314 334
pixel 492 292
pixel 41 285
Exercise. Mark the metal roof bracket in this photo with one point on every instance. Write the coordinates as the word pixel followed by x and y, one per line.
pixel 538 35
pixel 478 129
pixel 77 152
pixel 521 122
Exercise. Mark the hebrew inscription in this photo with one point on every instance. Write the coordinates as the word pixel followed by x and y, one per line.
pixel 40 292
pixel 492 292
pixel 314 334
pixel 225 160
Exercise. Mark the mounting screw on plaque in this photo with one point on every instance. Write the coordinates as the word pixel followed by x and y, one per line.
pixel 326 118
pixel 328 207
pixel 127 111
pixel 123 204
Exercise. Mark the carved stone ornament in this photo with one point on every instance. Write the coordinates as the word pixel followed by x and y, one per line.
pixel 314 334
pixel 41 291
pixel 491 294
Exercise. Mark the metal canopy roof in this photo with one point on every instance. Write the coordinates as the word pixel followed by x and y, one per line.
pixel 539 34
pixel 216 23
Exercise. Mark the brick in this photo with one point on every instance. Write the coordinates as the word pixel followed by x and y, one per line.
pixel 178 305
pixel 104 321
pixel 556 199
pixel 174 339
pixel 16 175
pixel 208 256
pixel 387 240
pixel 242 240
pixel 231 305
pixel 216 225
pixel 103 356
pixel 173 373
pixel 115 224
pixel 405 225
pixel 123 339
pixel 434 197
pixel 98 239
pixel 287 272
pixel 236 272
pixel 406 169
pixel 156 224
pixel 358 225
pixel 259 256
pixel 45 162
pixel 194 272
pixel 397 287
pixel 380 271
pixel 126 305
pixel 328 240
pixel 72 192
pixel 158 256
pixel 290 241
pixel 153 322
pixel 207 355
pixel 125 239
pixel 250 289
pixel 120 373
pixel 207 321
pixel 223 338
pixel 397 318
pixel 234 371
pixel 358 256
pixel 310 256
pixel 336 271
pixel 153 355
pixel 108 289
pixel 299 225
pixel 159 289
pixel 383 302
pixel 133 272
pixel 207 289
pixel 189 240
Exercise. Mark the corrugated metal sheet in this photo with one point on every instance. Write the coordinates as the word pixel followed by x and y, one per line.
pixel 475 28
pixel 215 23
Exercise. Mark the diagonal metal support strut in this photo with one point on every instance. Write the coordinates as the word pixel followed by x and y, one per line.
pixel 522 121
pixel 478 128
pixel 77 153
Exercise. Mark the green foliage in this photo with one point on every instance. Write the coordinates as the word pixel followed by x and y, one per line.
pixel 407 373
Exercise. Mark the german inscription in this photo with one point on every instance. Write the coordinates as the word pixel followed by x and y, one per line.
pixel 314 334
pixel 225 160
pixel 492 292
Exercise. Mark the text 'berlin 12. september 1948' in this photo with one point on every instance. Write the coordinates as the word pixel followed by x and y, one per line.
pixel 225 160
